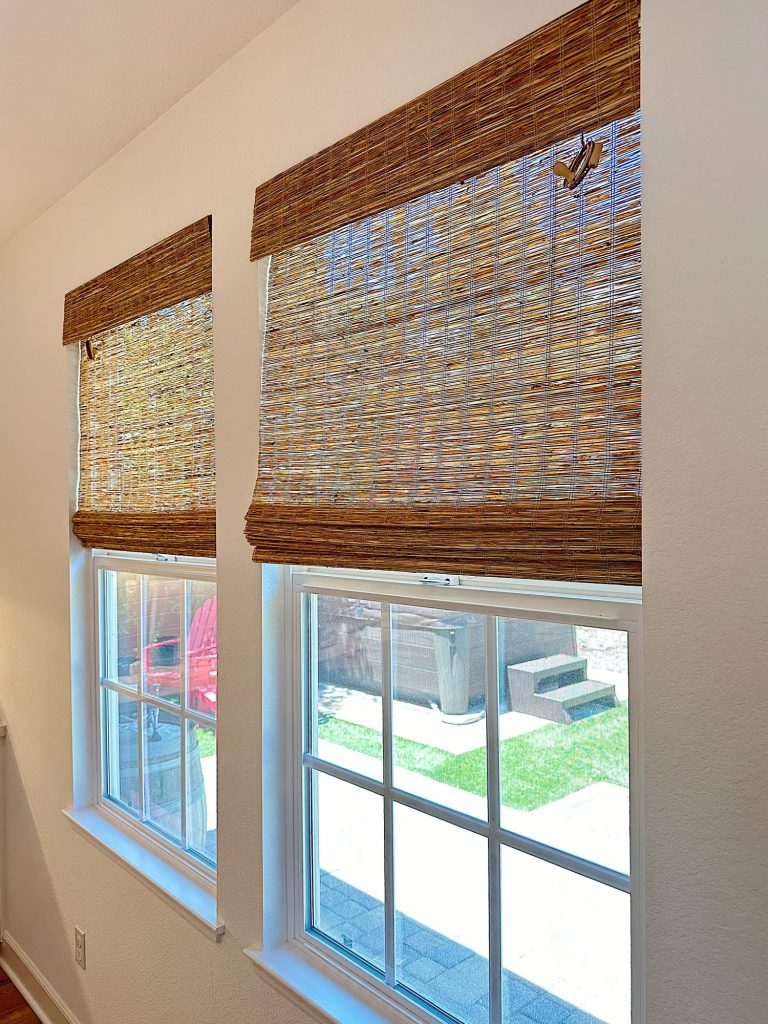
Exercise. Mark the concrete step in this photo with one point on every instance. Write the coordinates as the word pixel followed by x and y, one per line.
pixel 580 693
pixel 556 688
pixel 543 674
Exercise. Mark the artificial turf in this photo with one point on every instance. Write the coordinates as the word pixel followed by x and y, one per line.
pixel 536 768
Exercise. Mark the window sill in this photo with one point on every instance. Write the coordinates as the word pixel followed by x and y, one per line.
pixel 192 900
pixel 324 990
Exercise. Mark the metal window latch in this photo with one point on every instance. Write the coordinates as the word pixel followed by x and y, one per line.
pixel 439 579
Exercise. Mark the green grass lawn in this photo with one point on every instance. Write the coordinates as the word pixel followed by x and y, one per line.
pixel 206 741
pixel 536 768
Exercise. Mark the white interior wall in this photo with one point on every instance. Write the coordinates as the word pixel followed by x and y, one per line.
pixel 705 455
pixel 324 69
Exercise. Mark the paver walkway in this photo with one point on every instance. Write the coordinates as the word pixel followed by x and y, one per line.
pixel 565 938
pixel 433 967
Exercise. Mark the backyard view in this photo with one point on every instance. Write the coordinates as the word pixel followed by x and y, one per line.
pixel 563 772
pixel 160 643
pixel 537 767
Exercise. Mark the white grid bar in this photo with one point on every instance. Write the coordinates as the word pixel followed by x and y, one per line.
pixel 560 858
pixel 617 612
pixel 178 848
pixel 143 781
pixel 494 820
pixel 183 698
pixel 389 834
pixel 199 717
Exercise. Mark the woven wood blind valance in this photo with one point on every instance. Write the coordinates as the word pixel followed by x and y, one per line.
pixel 573 75
pixel 453 384
pixel 147 468
pixel 177 268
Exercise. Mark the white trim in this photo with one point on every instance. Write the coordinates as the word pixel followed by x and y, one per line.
pixel 190 898
pixel 154 558
pixel 156 842
pixel 637 823
pixel 27 977
pixel 181 570
pixel 599 611
pixel 623 593
pixel 310 981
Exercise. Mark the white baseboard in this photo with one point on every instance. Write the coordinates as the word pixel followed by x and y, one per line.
pixel 33 985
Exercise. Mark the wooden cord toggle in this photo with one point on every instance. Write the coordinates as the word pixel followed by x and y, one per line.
pixel 585 160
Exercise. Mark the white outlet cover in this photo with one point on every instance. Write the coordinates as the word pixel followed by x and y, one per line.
pixel 80 947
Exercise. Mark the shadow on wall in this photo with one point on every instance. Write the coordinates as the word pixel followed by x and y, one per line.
pixel 40 910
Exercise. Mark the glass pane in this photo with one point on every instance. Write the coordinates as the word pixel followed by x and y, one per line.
pixel 201 790
pixel 121 750
pixel 164 631
pixel 344 652
pixel 564 737
pixel 347 869
pixel 121 595
pixel 162 770
pixel 565 945
pixel 438 712
pixel 441 903
pixel 202 665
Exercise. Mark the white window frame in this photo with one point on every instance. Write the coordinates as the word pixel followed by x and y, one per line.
pixel 202 874
pixel 604 606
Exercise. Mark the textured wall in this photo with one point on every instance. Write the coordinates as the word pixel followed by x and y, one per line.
pixel 326 68
pixel 705 211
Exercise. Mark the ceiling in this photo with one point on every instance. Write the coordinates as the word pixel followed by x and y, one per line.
pixel 80 78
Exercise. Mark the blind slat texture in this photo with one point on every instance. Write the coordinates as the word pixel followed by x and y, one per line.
pixel 573 75
pixel 175 269
pixel 147 468
pixel 453 383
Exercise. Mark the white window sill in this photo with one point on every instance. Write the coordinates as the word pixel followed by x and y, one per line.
pixel 323 989
pixel 192 900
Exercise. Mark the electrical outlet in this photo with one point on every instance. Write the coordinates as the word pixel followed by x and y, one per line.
pixel 80 947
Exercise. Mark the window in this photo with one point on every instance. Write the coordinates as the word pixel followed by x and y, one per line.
pixel 462 793
pixel 157 700
pixel 451 385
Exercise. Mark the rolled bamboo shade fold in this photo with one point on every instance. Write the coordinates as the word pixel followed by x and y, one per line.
pixel 453 383
pixel 574 74
pixel 147 466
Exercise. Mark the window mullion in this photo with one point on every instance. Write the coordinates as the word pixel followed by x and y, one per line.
pixel 142 783
pixel 311 910
pixel 494 818
pixel 389 855
pixel 174 827
pixel 183 701
pixel 311 722
pixel 183 781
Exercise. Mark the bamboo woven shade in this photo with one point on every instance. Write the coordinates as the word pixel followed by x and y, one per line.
pixel 573 75
pixel 453 384
pixel 147 470
pixel 175 269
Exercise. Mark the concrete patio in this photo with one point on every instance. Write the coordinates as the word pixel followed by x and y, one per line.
pixel 565 939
